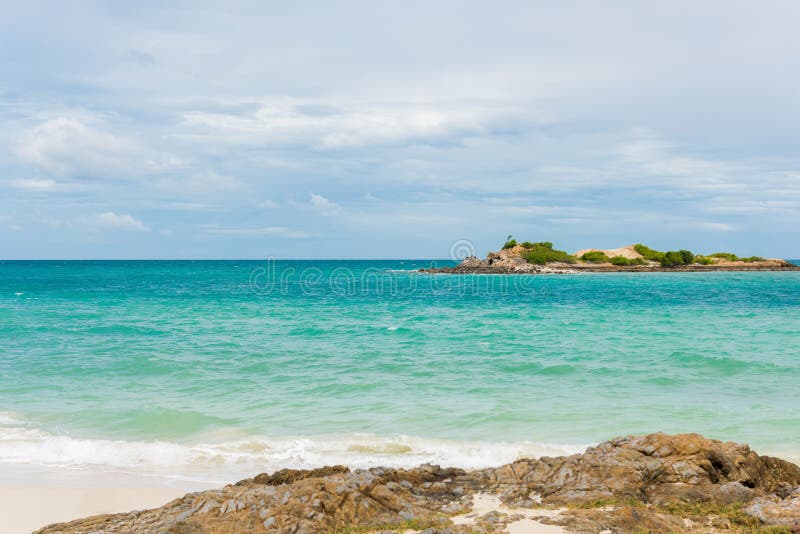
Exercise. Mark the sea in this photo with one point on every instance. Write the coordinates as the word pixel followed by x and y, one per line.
pixel 216 370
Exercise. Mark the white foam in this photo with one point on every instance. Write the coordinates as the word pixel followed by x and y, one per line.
pixel 223 460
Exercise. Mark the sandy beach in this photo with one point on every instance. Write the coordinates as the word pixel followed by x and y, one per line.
pixel 23 510
pixel 32 497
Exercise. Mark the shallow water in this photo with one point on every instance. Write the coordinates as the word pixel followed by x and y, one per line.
pixel 187 367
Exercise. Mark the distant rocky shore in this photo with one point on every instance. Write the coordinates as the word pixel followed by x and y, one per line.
pixel 654 483
pixel 542 258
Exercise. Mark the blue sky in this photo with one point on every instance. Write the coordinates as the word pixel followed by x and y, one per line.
pixel 391 130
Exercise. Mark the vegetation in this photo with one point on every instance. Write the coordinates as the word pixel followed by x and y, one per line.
pixel 725 256
pixel 543 252
pixel 401 526
pixel 607 501
pixel 739 521
pixel 671 258
pixel 622 261
pixel 648 253
pixel 595 256
pixel 729 256
pixel 687 256
pixel 732 512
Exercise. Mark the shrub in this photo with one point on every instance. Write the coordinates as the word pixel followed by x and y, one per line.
pixel 542 253
pixel 751 259
pixel 526 244
pixel 510 243
pixel 672 258
pixel 648 253
pixel 595 256
pixel 688 257
pixel 725 256
pixel 622 261
pixel 703 260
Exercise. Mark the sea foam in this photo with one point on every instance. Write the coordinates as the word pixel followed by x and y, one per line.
pixel 21 443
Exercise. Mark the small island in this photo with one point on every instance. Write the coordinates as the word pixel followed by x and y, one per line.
pixel 541 257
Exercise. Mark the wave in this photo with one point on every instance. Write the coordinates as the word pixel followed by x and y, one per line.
pixel 249 455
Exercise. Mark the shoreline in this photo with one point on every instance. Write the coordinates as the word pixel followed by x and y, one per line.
pixel 469 268
pixel 658 482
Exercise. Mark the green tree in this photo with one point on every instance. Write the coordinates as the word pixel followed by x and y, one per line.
pixel 672 258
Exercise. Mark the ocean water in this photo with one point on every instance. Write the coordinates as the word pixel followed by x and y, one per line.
pixel 216 369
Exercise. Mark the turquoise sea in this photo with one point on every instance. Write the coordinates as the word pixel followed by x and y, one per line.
pixel 208 368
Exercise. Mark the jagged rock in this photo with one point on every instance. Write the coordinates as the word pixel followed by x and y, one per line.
pixel 619 485
pixel 655 469
pixel 287 476
pixel 772 510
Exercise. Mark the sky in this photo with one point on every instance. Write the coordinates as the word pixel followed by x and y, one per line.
pixel 396 129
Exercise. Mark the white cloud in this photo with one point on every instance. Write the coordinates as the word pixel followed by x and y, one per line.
pixel 203 182
pixel 140 58
pixel 721 227
pixel 655 157
pixel 82 144
pixel 292 122
pixel 65 146
pixel 111 220
pixel 14 227
pixel 276 231
pixel 35 184
pixel 186 206
pixel 323 205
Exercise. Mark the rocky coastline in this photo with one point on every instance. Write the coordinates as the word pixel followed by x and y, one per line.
pixel 653 483
pixel 512 260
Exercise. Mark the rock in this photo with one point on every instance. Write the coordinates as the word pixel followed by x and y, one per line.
pixel 621 484
pixel 772 510
pixel 731 492
pixel 287 476
pixel 657 469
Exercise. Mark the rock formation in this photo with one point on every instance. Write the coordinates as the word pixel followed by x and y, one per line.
pixel 655 483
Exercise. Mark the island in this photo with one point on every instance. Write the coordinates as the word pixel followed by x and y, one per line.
pixel 541 257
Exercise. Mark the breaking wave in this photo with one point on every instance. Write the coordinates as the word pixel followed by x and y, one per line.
pixel 249 455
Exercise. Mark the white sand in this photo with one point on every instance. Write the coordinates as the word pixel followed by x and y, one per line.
pixel 27 508
pixel 32 497
pixel 483 503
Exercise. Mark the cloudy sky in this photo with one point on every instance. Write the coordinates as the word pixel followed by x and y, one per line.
pixel 391 130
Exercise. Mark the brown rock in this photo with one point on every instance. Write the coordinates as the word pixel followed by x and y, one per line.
pixel 772 510
pixel 622 484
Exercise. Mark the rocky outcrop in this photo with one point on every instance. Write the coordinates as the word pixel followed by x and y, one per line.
pixel 657 482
